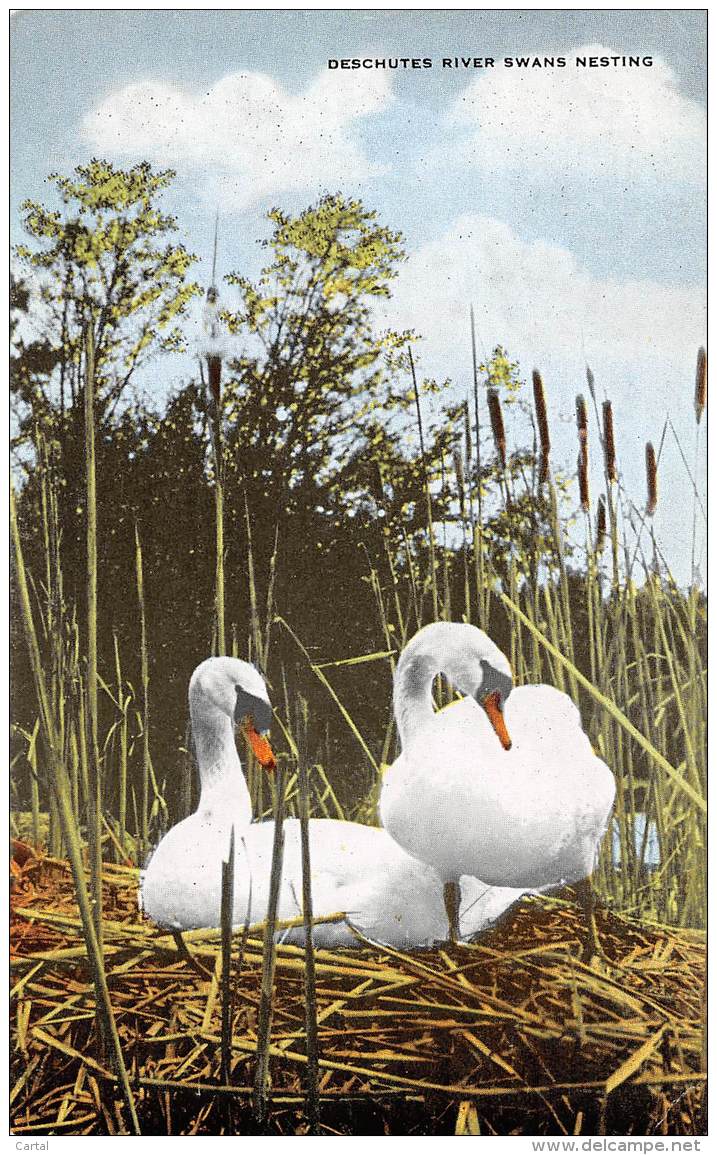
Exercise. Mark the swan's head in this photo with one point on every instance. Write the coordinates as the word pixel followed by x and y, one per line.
pixel 471 662
pixel 480 670
pixel 238 690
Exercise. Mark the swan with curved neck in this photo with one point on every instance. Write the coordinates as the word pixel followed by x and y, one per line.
pixel 503 785
pixel 357 870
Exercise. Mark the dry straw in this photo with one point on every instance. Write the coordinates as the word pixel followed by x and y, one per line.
pixel 511 1014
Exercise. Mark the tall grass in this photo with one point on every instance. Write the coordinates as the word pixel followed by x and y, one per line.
pixel 60 785
pixel 600 623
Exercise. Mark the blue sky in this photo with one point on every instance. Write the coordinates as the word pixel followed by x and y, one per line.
pixel 566 204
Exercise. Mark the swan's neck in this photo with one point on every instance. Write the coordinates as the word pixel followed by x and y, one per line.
pixel 220 770
pixel 413 696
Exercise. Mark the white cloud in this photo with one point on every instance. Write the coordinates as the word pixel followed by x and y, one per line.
pixel 247 138
pixel 620 121
pixel 536 296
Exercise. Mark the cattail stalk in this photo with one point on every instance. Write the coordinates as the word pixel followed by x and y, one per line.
pixel 583 483
pixel 700 403
pixel 257 648
pixel 498 428
pixel 214 368
pixel 581 413
pixel 601 526
pixel 478 543
pixel 541 413
pixel 700 384
pixel 446 607
pixel 610 461
pixel 581 417
pixel 564 616
pixel 427 488
pixel 95 816
pixel 651 471
pixel 609 438
pixel 495 414
pixel 461 487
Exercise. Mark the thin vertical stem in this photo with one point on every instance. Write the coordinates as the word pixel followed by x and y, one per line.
pixel 312 1034
pixel 427 487
pixel 227 920
pixel 268 962
pixel 214 365
pixel 143 833
pixel 95 824
pixel 478 544
pixel 34 784
pixel 123 704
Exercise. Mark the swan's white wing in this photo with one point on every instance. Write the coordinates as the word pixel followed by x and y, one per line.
pixel 530 816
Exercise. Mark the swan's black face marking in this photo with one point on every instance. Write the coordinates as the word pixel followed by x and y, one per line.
pixel 493 682
pixel 249 706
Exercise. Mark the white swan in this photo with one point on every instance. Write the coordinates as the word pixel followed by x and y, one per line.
pixel 502 785
pixel 385 893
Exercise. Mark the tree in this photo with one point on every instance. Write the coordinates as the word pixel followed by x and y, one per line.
pixel 104 259
pixel 315 355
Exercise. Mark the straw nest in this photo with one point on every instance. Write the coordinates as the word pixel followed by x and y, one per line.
pixel 512 1034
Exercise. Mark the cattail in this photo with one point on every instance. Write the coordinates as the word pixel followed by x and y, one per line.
pixel 651 469
pixel 583 481
pixel 609 434
pixel 214 365
pixel 460 477
pixel 496 424
pixel 541 412
pixel 581 414
pixel 701 384
pixel 601 528
pixel 469 440
pixel 590 380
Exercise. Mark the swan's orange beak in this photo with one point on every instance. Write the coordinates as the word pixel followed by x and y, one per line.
pixel 260 746
pixel 494 710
